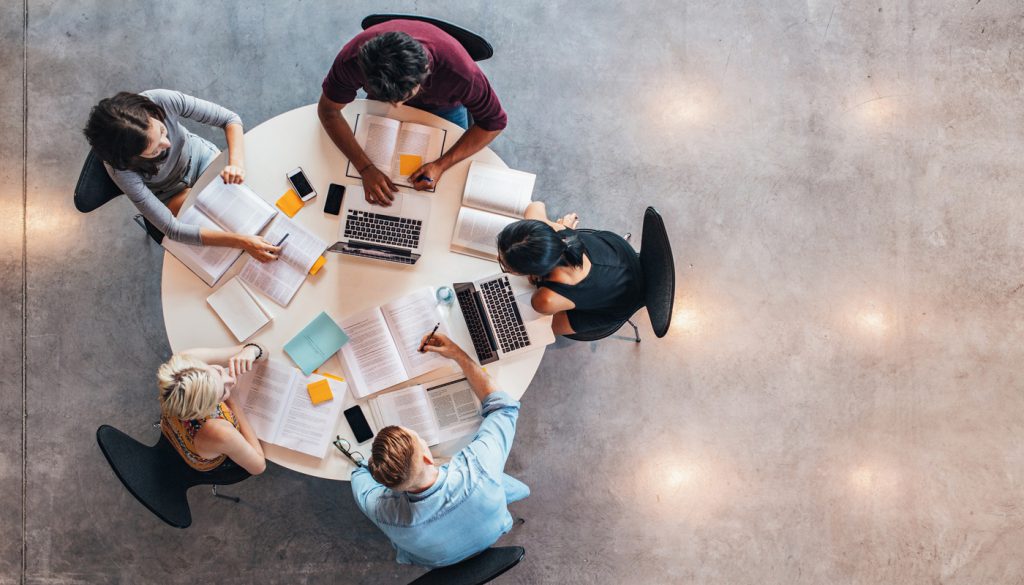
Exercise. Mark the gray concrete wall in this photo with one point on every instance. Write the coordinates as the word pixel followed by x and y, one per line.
pixel 840 398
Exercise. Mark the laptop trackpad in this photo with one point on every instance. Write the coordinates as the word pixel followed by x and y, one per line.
pixel 526 307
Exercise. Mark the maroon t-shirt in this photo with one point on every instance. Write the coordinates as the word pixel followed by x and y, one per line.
pixel 454 78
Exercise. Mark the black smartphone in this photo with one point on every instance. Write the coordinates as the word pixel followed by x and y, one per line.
pixel 335 193
pixel 360 428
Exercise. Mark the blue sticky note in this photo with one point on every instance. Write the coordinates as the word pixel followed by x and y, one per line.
pixel 316 343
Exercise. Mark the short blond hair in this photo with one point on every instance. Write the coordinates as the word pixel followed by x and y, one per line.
pixel 391 461
pixel 187 388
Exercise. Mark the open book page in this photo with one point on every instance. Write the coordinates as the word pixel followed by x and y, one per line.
pixel 370 358
pixel 497 189
pixel 417 145
pixel 208 262
pixel 301 249
pixel 237 208
pixel 410 318
pixel 280 279
pixel 377 136
pixel 277 279
pixel 263 393
pixel 238 309
pixel 456 409
pixel 410 408
pixel 477 232
pixel 306 427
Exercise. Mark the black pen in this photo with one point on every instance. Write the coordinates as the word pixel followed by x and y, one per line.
pixel 424 178
pixel 429 337
pixel 278 245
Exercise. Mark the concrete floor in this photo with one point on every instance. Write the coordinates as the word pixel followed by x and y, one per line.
pixel 839 401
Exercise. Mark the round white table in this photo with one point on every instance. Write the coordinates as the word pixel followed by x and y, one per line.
pixel 345 284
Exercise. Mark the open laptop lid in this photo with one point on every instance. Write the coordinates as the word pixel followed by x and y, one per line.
pixel 538 328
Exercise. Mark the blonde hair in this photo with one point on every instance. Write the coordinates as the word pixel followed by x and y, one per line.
pixel 391 461
pixel 187 388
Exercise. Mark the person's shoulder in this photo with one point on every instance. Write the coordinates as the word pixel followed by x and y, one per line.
pixel 545 300
pixel 163 97
pixel 217 430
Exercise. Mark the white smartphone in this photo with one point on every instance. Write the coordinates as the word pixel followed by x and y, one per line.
pixel 301 184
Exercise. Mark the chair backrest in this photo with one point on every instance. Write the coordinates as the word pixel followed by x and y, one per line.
pixel 477 47
pixel 94 187
pixel 659 272
pixel 155 475
pixel 476 570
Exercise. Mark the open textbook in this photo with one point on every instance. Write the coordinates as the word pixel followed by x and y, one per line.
pixel 438 411
pixel 397 148
pixel 274 398
pixel 280 279
pixel 239 309
pixel 220 207
pixel 494 197
pixel 383 349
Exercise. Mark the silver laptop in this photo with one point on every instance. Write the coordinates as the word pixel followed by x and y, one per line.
pixel 393 234
pixel 500 318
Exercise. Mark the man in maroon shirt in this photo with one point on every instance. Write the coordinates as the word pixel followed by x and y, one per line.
pixel 420 65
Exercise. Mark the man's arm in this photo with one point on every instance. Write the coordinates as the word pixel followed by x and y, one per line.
pixel 472 141
pixel 377 186
pixel 479 380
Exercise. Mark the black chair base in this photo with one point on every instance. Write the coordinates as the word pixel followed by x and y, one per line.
pixel 602 333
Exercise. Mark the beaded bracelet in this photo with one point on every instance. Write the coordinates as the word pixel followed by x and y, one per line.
pixel 258 348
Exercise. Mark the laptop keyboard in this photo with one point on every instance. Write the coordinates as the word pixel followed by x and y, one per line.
pixel 505 318
pixel 475 326
pixel 378 228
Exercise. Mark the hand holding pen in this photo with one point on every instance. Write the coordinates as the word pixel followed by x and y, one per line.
pixel 429 338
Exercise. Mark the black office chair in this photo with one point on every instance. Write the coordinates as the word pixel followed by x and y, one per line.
pixel 659 273
pixel 95 189
pixel 477 47
pixel 477 570
pixel 158 477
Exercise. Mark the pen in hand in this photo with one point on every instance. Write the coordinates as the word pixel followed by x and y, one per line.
pixel 282 240
pixel 429 337
pixel 424 178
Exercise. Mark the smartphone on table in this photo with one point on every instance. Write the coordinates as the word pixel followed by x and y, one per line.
pixel 301 184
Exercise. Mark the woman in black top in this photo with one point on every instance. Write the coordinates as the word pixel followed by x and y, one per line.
pixel 589 280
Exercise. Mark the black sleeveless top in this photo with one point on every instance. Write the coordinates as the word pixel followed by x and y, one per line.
pixel 613 289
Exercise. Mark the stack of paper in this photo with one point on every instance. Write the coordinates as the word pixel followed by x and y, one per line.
pixel 239 309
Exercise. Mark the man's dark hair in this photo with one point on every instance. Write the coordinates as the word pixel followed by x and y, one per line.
pixel 393 63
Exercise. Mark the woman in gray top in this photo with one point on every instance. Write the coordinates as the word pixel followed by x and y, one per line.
pixel 152 157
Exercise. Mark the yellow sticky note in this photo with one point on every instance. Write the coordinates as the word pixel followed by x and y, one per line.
pixel 331 376
pixel 318 265
pixel 319 391
pixel 407 163
pixel 290 203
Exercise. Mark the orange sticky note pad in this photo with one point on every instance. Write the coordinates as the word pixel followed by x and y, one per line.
pixel 290 203
pixel 319 391
pixel 407 163
pixel 318 265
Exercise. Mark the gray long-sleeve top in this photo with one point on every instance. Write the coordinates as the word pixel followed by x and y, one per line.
pixel 139 189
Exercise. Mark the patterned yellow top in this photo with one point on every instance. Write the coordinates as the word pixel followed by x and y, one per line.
pixel 182 434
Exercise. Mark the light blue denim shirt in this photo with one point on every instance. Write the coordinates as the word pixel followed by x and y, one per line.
pixel 464 512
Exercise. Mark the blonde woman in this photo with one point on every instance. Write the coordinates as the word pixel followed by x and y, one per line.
pixel 197 415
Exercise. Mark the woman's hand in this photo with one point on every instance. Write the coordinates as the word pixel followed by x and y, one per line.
pixel 570 221
pixel 259 248
pixel 241 362
pixel 233 174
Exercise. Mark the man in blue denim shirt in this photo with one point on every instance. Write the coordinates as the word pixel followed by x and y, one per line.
pixel 440 515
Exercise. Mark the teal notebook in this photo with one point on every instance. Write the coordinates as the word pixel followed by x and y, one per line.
pixel 317 342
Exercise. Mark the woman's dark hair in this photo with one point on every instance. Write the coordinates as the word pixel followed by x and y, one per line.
pixel 117 128
pixel 393 63
pixel 532 247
